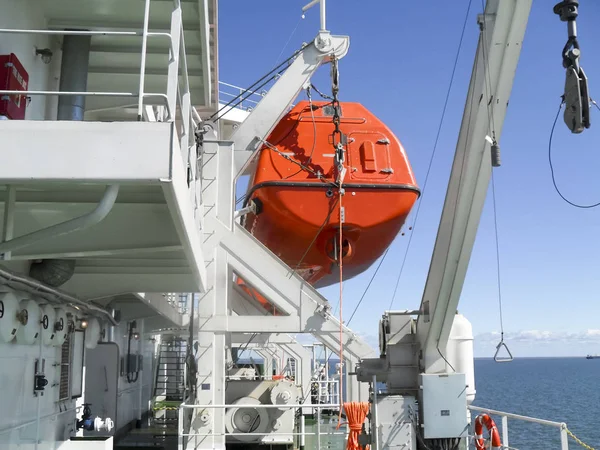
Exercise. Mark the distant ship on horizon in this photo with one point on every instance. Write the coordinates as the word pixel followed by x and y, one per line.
pixel 592 357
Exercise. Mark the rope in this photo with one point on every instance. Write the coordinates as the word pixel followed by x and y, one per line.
pixel 497 256
pixel 325 222
pixel 288 41
pixel 362 297
pixel 579 441
pixel 356 413
pixel 435 146
pixel 340 261
pixel 576 205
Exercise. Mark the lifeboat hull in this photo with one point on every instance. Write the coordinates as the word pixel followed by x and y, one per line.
pixel 297 200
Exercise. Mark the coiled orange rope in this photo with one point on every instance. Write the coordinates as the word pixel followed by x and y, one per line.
pixel 356 413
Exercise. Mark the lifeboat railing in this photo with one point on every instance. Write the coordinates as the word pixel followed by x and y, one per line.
pixel 560 426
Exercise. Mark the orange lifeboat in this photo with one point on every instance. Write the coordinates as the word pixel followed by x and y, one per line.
pixel 294 189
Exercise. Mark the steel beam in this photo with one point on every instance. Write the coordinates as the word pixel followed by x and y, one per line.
pixel 503 27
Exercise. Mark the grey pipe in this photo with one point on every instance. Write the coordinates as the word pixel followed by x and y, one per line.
pixel 87 220
pixel 110 335
pixel 73 76
pixel 24 283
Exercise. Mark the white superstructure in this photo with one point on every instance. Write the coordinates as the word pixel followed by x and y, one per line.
pixel 120 244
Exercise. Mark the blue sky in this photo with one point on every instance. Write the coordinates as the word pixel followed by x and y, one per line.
pixel 399 65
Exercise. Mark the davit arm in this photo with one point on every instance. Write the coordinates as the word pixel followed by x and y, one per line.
pixel 248 137
pixel 502 27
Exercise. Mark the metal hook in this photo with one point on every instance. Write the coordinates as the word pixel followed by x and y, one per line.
pixel 576 93
pixel 498 347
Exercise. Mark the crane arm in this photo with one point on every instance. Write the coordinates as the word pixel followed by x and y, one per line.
pixel 502 27
pixel 248 138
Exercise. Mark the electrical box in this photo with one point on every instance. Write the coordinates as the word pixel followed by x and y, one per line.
pixel 396 415
pixel 444 405
pixel 13 77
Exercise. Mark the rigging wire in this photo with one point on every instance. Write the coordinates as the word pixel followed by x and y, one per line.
pixel 437 138
pixel 497 256
pixel 556 188
pixel 302 166
pixel 325 222
pixel 247 93
pixel 314 145
pixel 289 39
pixel 368 285
pixel 340 263
pixel 323 96
pixel 252 86
pixel 488 79
pixel 239 354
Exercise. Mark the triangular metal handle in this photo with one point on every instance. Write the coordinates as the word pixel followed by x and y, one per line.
pixel 502 359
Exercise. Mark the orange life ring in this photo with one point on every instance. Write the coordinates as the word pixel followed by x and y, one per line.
pixel 480 421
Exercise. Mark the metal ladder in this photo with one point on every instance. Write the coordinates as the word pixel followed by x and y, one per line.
pixel 170 370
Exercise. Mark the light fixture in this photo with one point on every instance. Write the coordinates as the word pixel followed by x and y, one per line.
pixel 45 54
pixel 83 324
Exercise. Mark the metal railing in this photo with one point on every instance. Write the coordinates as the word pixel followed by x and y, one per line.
pixel 248 99
pixel 178 301
pixel 177 96
pixel 561 426
pixel 302 434
pixel 328 391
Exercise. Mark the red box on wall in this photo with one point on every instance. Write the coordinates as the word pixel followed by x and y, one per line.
pixel 13 77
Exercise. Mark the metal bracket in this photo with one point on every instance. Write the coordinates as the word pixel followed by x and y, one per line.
pixel 576 98
pixel 576 94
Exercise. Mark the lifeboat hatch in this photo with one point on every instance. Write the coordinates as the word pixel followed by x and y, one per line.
pixel 369 156
pixel 255 298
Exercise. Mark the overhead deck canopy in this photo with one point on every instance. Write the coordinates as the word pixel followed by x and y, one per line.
pixel 53 172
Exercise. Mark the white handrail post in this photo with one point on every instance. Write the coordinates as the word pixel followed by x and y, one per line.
pixel 180 429
pixel 374 416
pixel 505 431
pixel 143 60
pixel 173 71
pixel 564 438
pixel 318 427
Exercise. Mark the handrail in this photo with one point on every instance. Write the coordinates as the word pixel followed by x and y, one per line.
pixel 564 438
pixel 141 95
pixel 519 417
pixel 317 434
pixel 240 92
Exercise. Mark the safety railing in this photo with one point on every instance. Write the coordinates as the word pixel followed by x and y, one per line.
pixel 248 99
pixel 302 434
pixel 177 97
pixel 328 391
pixel 560 426
pixel 178 301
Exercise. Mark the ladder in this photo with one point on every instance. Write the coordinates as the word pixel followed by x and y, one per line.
pixel 169 383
